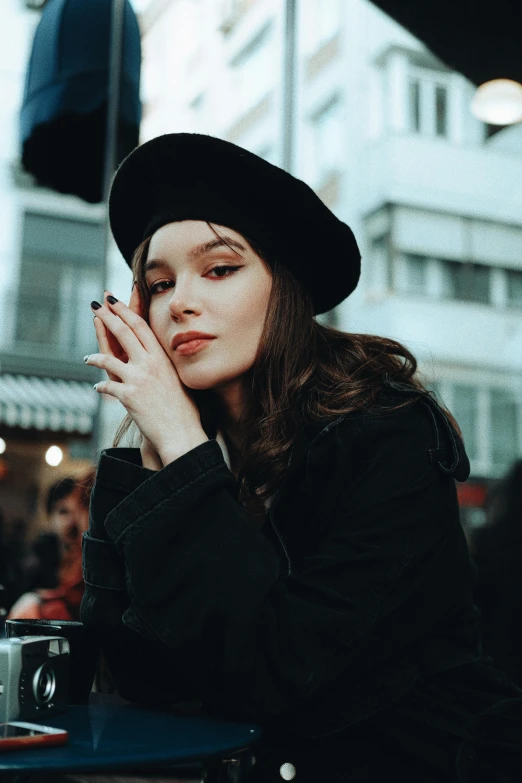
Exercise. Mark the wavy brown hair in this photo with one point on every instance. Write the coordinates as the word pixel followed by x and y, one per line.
pixel 303 371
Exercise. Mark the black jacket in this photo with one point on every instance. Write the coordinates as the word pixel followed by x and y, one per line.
pixel 345 627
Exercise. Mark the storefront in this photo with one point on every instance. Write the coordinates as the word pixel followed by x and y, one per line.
pixel 46 429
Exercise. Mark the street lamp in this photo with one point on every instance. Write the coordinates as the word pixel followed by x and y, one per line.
pixel 498 102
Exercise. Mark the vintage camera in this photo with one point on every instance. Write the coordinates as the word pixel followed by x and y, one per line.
pixel 34 677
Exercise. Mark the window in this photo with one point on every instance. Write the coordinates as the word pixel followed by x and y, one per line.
pixel 198 109
pixel 379 269
pixel 465 410
pixel 327 140
pixel 504 428
pixel 490 420
pixel 38 314
pixel 255 69
pixel 415 274
pixel 60 273
pixel 441 111
pixel 514 287
pixel 198 102
pixel 415 110
pixel 321 23
pixel 467 282
pixel 428 104
pixel 232 11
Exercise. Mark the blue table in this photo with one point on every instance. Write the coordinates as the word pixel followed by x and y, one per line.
pixel 109 735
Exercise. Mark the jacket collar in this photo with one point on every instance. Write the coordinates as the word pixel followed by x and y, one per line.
pixel 307 434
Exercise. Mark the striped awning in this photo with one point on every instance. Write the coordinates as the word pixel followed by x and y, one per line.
pixel 47 403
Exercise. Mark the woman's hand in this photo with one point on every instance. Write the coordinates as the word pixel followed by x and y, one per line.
pixel 108 345
pixel 143 378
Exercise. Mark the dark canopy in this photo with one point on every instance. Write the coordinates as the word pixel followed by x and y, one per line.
pixel 64 111
pixel 480 40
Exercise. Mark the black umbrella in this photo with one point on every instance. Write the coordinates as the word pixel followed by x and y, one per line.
pixel 63 119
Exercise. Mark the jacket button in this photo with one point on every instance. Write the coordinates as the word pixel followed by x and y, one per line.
pixel 287 771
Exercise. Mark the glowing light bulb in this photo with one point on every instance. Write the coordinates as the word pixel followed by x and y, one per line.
pixel 53 455
pixel 3 445
pixel 498 102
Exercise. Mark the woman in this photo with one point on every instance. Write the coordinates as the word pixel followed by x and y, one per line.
pixel 284 545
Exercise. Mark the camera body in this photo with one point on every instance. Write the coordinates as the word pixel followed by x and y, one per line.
pixel 34 677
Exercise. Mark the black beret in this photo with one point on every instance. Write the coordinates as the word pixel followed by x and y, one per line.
pixel 190 176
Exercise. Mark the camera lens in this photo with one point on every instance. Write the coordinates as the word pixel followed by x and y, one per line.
pixel 44 684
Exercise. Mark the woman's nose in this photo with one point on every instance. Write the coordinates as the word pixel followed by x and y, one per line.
pixel 182 302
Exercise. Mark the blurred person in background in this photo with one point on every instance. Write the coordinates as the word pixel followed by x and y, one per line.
pixel 3 553
pixel 497 551
pixel 54 567
pixel 15 571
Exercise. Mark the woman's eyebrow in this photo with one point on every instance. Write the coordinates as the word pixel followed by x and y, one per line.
pixel 197 251
pixel 200 250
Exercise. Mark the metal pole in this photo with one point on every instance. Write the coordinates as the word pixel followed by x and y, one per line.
pixel 113 96
pixel 111 147
pixel 289 86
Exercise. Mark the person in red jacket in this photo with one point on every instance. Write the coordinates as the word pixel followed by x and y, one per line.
pixel 68 514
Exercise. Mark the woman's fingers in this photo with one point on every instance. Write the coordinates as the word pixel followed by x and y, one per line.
pixel 126 324
pixel 121 329
pixel 107 341
pixel 114 368
pixel 113 345
pixel 104 345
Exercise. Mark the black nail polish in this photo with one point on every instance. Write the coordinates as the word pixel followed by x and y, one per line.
pixel 112 299
pixel 95 305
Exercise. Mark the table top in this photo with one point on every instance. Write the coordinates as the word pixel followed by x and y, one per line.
pixel 109 735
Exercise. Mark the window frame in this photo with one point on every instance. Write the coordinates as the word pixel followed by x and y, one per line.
pixel 74 274
pixel 428 81
pixel 465 272
pixel 325 167
pixel 484 464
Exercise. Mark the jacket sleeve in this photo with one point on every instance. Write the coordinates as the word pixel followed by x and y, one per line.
pixel 207 614
pixel 119 473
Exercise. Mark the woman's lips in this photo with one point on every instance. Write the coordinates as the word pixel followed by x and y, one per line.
pixel 192 346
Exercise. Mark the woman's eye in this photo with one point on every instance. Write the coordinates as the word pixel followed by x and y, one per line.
pixel 228 270
pixel 155 287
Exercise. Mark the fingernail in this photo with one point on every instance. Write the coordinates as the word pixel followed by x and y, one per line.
pixel 86 357
pixel 95 305
pixel 112 299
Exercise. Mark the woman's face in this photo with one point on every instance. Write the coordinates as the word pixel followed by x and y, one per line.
pixel 197 283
